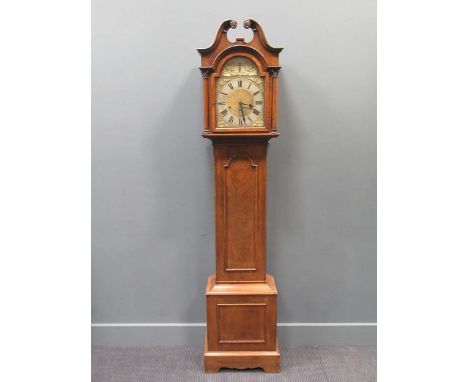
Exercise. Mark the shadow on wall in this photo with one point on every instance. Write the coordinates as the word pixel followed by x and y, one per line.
pixel 295 208
pixel 185 195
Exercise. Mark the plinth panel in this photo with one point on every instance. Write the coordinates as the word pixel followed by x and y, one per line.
pixel 242 323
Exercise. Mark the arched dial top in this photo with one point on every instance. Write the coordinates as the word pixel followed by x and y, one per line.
pixel 240 95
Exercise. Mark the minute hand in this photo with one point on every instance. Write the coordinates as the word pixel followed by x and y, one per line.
pixel 242 111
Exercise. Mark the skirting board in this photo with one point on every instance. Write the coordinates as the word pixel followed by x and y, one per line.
pixel 289 335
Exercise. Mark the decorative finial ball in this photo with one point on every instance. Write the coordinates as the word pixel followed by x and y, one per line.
pixel 233 24
pixel 247 24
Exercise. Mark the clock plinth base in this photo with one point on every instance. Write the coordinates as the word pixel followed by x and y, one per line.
pixel 241 325
pixel 269 361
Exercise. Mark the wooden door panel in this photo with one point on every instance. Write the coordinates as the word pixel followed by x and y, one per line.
pixel 240 211
pixel 240 189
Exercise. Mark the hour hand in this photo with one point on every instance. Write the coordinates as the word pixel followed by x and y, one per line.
pixel 246 104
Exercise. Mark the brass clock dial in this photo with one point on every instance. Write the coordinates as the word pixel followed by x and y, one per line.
pixel 240 98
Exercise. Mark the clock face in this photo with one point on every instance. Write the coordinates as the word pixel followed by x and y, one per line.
pixel 240 95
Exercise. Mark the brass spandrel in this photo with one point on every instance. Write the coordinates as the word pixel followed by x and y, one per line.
pixel 239 66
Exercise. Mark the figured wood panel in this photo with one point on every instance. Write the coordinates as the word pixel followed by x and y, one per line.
pixel 240 210
pixel 242 323
pixel 240 193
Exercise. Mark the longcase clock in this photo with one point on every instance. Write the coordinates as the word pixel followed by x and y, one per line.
pixel 240 96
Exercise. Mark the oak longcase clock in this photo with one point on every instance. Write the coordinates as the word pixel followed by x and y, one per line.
pixel 240 96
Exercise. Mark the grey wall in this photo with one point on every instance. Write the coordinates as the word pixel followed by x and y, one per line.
pixel 152 187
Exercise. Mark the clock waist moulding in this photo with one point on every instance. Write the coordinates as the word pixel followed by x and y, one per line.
pixel 240 97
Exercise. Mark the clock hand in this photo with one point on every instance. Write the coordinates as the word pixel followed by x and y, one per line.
pixel 247 104
pixel 242 111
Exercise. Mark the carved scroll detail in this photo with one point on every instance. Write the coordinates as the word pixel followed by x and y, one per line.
pixel 223 29
pixel 257 29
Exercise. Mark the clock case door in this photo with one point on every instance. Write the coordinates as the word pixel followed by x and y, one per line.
pixel 240 211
